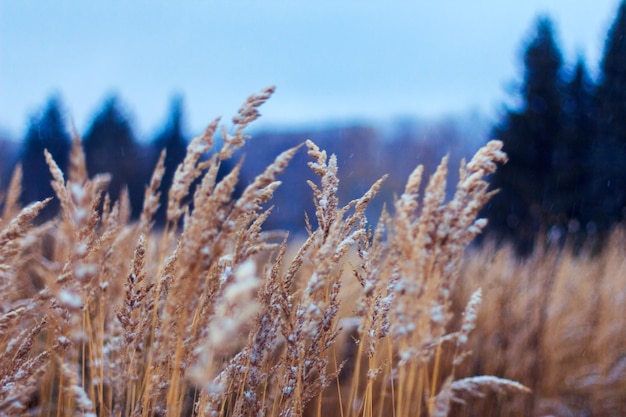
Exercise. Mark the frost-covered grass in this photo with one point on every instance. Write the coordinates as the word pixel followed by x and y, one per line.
pixel 553 322
pixel 214 316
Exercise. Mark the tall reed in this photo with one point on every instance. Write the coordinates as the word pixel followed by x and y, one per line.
pixel 216 316
pixel 553 322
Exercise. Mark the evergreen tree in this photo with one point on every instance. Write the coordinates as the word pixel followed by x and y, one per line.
pixel 9 155
pixel 571 157
pixel 530 134
pixel 46 131
pixel 110 147
pixel 172 139
pixel 609 152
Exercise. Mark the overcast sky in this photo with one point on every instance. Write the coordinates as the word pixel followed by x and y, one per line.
pixel 330 60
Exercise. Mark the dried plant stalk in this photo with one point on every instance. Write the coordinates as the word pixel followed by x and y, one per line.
pixel 212 317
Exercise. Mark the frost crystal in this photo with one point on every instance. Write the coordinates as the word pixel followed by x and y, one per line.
pixel 436 314
pixel 84 271
pixel 245 283
pixel 70 299
pixel 77 192
pixel 81 249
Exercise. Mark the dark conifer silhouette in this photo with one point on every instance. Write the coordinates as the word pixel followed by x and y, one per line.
pixel 609 152
pixel 9 154
pixel 110 147
pixel 47 130
pixel 572 171
pixel 173 140
pixel 530 135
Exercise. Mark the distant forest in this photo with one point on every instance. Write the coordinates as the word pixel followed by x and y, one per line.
pixel 364 154
pixel 565 181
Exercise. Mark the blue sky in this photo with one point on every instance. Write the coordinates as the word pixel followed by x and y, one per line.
pixel 330 60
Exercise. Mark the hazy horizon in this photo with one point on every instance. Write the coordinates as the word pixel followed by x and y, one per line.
pixel 330 62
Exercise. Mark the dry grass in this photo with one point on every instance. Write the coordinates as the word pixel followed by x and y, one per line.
pixel 555 323
pixel 214 316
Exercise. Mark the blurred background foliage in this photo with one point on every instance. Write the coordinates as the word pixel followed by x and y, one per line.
pixel 565 136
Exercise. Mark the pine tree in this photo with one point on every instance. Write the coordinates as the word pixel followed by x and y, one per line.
pixel 571 157
pixel 172 139
pixel 110 147
pixel 609 152
pixel 530 133
pixel 46 130
pixel 9 155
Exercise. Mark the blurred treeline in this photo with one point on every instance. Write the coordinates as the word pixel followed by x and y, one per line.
pixel 565 135
pixel 365 152
pixel 566 141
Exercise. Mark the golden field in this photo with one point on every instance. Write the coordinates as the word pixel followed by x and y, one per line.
pixel 215 316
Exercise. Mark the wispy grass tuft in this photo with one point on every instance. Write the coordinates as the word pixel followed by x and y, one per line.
pixel 213 316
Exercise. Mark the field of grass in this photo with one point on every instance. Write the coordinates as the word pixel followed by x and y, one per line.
pixel 215 316
pixel 555 323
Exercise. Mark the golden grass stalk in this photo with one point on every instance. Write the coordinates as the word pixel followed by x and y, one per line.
pixel 11 201
pixel 211 317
